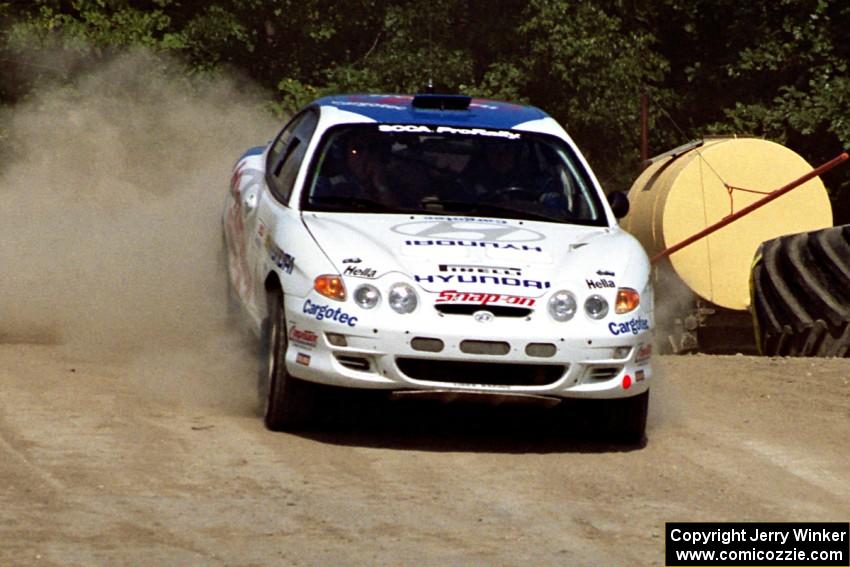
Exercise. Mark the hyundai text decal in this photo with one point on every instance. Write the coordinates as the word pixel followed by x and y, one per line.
pixel 320 312
pixel 633 326
pixel 474 279
pixel 452 296
pixel 468 231
pixel 479 243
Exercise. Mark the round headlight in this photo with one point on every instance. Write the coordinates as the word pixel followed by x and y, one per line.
pixel 596 307
pixel 367 296
pixel 562 305
pixel 403 298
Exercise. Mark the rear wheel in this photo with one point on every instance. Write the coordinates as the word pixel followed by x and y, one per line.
pixel 289 402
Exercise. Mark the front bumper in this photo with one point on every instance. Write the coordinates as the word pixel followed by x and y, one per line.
pixel 429 351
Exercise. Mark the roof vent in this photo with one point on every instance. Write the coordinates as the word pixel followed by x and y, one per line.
pixel 441 101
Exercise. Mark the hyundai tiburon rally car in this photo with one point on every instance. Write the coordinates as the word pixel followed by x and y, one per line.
pixel 436 245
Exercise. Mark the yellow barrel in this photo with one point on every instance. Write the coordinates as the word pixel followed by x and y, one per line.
pixel 687 190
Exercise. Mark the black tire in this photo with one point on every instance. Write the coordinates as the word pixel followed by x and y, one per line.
pixel 800 294
pixel 289 403
pixel 625 419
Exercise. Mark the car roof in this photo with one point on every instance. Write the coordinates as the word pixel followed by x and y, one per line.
pixel 400 109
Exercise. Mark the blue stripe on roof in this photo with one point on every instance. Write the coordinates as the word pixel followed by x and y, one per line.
pixel 398 109
pixel 255 151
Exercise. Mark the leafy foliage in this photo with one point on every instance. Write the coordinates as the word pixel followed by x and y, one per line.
pixel 776 69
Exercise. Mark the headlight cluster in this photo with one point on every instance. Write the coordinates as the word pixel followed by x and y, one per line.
pixel 402 297
pixel 563 306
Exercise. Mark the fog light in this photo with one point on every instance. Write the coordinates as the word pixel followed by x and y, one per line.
pixel 544 350
pixel 336 339
pixel 427 345
pixel 622 352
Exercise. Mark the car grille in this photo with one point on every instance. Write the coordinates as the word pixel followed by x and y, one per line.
pixel 496 310
pixel 485 373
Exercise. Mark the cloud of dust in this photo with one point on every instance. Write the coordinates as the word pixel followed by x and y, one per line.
pixel 673 301
pixel 110 232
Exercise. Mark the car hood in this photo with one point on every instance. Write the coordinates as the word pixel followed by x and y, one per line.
pixel 473 253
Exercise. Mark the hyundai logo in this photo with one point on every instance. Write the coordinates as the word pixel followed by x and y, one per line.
pixel 468 230
pixel 482 316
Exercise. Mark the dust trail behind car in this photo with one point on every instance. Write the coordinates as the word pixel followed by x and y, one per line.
pixel 110 231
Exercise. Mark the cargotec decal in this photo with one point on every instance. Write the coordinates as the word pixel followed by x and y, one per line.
pixel 320 312
pixel 633 326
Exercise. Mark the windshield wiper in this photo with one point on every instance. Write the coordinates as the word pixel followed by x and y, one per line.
pixel 470 208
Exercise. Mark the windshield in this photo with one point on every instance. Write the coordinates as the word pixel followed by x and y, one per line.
pixel 446 170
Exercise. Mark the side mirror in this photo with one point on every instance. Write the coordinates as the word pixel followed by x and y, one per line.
pixel 619 203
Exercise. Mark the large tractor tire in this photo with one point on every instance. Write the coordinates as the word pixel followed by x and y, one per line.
pixel 800 294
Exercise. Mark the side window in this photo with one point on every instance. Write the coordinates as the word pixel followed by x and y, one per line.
pixel 287 153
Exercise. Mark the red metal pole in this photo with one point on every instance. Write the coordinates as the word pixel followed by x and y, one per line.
pixel 750 208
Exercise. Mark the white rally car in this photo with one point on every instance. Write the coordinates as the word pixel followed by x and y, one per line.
pixel 442 246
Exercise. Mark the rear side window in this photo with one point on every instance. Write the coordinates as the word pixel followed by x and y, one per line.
pixel 287 153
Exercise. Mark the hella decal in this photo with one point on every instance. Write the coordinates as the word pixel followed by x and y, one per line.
pixel 360 272
pixel 321 312
pixel 303 337
pixel 473 279
pixel 599 284
pixel 633 326
pixel 451 296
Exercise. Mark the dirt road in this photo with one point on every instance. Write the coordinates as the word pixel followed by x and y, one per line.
pixel 98 469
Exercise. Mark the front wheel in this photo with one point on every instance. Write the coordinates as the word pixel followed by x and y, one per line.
pixel 625 418
pixel 289 402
